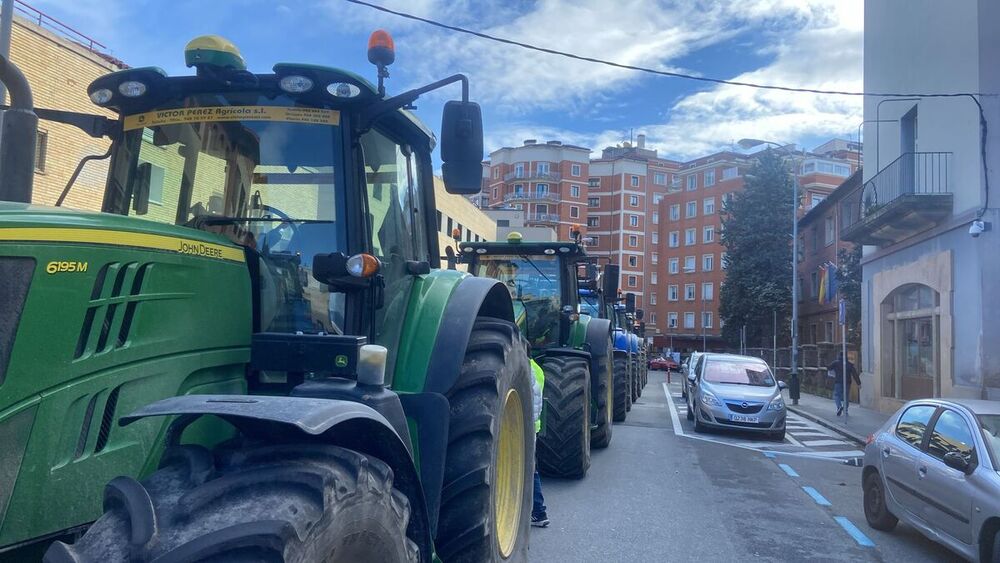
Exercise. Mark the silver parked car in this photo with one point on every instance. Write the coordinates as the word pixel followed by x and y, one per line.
pixel 730 391
pixel 934 465
pixel 688 370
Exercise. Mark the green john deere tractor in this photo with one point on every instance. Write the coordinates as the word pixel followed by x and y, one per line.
pixel 244 356
pixel 573 349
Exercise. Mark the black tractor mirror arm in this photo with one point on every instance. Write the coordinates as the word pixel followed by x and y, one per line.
pixel 403 100
pixel 96 126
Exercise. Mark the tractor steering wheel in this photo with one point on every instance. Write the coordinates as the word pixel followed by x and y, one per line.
pixel 287 223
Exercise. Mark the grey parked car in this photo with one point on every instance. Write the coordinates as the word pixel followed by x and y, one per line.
pixel 934 465
pixel 730 391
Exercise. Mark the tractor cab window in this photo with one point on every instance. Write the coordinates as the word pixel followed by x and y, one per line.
pixel 271 182
pixel 590 303
pixel 534 283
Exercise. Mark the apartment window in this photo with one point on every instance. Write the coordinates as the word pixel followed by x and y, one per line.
pixel 688 264
pixel 722 261
pixel 707 291
pixel 706 319
pixel 654 258
pixel 594 182
pixel 519 170
pixel 451 226
pixel 656 218
pixel 673 265
pixel 574 170
pixel 594 240
pixel 496 172
pixel 708 234
pixel 542 189
pixel 574 191
pixel 41 148
pixel 813 285
pixel 829 231
pixel 633 241
pixel 633 261
pixel 688 320
pixel 708 206
pixel 692 209
pixel 690 236
pixel 633 200
pixel 828 332
pixel 574 212
pixel 652 299
pixel 729 173
pixel 542 209
pixel 692 183
pixel 672 293
pixel 653 278
pixel 542 167
pixel 815 239
pixel 156 184
pixel 799 294
pixel 494 193
pixel 815 199
pixel 656 237
pixel 633 220
pixel 652 316
pixel 657 199
pixel 503 222
pixel 439 220
pixel 709 178
pixel 707 262
pixel 593 221
pixel 660 179
pixel 593 202
pixel 689 292
pixel 518 189
pixel 633 281
pixel 674 241
pixel 675 212
pixel 671 320
pixel 635 181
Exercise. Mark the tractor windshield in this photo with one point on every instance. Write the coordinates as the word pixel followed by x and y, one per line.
pixel 256 169
pixel 534 284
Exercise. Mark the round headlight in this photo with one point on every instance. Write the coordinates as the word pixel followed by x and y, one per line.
pixel 295 84
pixel 481 251
pixel 132 88
pixel 563 249
pixel 101 97
pixel 343 90
pixel 550 251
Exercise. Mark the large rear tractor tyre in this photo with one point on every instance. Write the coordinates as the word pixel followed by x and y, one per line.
pixel 621 403
pixel 636 379
pixel 563 448
pixel 600 436
pixel 293 503
pixel 628 387
pixel 489 464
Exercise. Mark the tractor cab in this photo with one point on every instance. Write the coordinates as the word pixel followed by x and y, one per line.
pixel 542 280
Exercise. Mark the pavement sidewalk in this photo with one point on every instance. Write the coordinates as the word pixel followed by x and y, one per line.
pixel 856 426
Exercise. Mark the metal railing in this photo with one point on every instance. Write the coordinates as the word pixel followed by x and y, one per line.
pixel 543 217
pixel 532 175
pixel 44 20
pixel 531 195
pixel 913 173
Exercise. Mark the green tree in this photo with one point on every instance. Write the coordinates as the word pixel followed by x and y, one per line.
pixel 849 287
pixel 756 228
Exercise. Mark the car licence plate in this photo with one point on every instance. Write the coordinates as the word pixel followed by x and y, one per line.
pixel 743 418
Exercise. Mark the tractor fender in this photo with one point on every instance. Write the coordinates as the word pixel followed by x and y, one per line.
pixel 620 340
pixel 472 298
pixel 598 331
pixel 567 352
pixel 276 419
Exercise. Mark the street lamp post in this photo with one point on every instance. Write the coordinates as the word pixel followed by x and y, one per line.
pixel 793 384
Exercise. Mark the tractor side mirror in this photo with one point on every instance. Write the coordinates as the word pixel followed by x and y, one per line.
pixel 629 303
pixel 610 282
pixel 140 188
pixel 462 147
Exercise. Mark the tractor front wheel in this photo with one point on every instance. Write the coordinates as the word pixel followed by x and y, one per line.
pixel 563 447
pixel 621 402
pixel 294 503
pixel 604 386
pixel 489 464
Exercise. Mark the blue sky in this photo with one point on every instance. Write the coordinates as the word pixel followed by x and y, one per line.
pixel 809 43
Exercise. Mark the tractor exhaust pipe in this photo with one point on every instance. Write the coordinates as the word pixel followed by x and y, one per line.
pixel 18 132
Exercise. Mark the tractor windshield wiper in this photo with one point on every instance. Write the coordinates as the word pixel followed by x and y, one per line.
pixel 541 273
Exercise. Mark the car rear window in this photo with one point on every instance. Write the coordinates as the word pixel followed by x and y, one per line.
pixel 913 423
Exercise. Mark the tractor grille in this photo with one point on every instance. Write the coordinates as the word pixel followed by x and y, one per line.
pixel 15 274
pixel 113 300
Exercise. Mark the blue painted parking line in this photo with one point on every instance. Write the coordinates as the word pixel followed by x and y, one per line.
pixel 853 530
pixel 769 455
pixel 788 469
pixel 820 499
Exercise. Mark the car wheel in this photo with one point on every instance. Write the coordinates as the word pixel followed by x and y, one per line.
pixel 778 435
pixel 698 426
pixel 996 547
pixel 876 512
pixel 690 411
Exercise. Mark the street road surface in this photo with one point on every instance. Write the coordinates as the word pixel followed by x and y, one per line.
pixel 663 493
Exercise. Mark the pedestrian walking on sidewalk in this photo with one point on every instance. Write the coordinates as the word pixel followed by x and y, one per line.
pixel 835 370
pixel 539 518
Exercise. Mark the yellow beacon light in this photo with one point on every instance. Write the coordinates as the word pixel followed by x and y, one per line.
pixel 213 50
pixel 514 237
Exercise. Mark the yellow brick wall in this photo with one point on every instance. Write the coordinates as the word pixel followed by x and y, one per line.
pixel 59 72
pixel 461 211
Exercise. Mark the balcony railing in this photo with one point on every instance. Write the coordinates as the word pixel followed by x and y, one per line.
pixel 913 193
pixel 543 218
pixel 531 195
pixel 532 175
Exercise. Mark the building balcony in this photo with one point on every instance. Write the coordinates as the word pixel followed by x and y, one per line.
pixel 528 175
pixel 911 195
pixel 542 218
pixel 531 195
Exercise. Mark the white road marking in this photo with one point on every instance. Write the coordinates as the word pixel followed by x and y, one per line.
pixel 790 438
pixel 673 412
pixel 817 443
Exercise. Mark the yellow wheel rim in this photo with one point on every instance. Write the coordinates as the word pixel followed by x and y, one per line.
pixel 509 489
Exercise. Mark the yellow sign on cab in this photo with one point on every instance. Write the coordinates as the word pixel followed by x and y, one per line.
pixel 313 116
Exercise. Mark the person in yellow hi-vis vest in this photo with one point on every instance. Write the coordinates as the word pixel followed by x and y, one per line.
pixel 538 516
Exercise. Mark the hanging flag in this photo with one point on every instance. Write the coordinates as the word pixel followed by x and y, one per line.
pixel 831 274
pixel 842 312
pixel 822 284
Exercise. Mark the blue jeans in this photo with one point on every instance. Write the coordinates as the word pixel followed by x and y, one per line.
pixel 838 395
pixel 538 501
